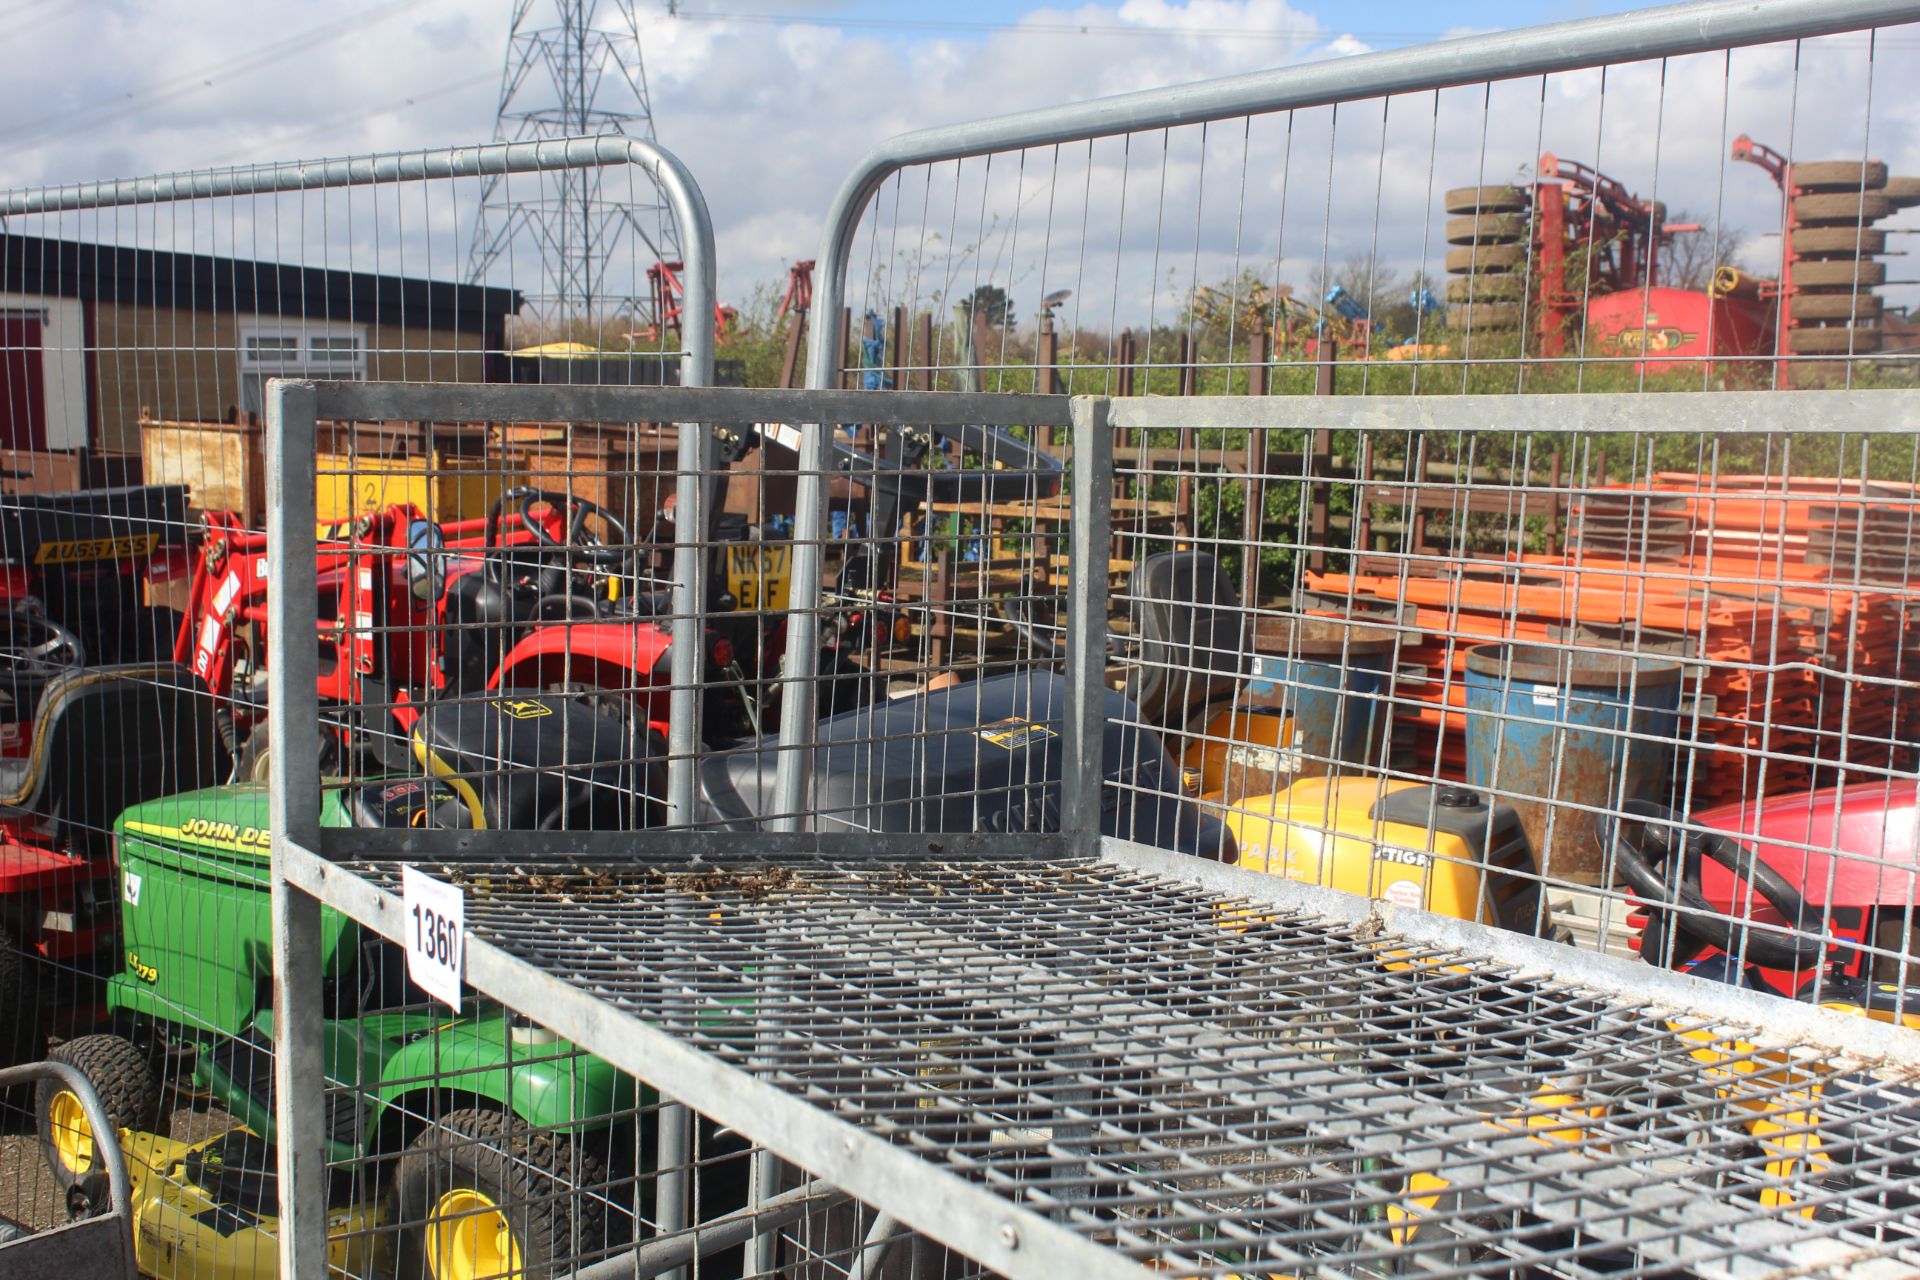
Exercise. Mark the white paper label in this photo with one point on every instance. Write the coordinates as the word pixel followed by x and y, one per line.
pixel 1546 695
pixel 228 593
pixel 131 889
pixel 436 935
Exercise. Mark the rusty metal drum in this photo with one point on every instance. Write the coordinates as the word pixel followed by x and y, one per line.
pixel 1563 732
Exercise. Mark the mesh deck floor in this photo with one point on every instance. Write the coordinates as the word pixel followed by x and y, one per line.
pixel 1213 1087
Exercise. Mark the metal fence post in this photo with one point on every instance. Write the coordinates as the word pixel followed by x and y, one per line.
pixel 292 713
pixel 692 532
pixel 1089 539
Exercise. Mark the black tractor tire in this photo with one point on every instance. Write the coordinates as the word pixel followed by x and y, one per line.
pixel 540 1183
pixel 1839 242
pixel 1485 200
pixel 255 755
pixel 21 1004
pixel 1486 258
pixel 1840 175
pixel 1858 307
pixel 1833 342
pixel 1841 208
pixel 1503 287
pixel 1484 316
pixel 153 630
pixel 250 762
pixel 1486 228
pixel 1902 193
pixel 1840 273
pixel 129 1091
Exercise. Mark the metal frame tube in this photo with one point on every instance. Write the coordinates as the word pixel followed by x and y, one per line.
pixel 293 709
pixel 660 1255
pixel 886 1232
pixel 1089 537
pixel 1666 32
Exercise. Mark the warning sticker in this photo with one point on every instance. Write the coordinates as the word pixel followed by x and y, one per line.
pixel 1405 893
pixel 1014 733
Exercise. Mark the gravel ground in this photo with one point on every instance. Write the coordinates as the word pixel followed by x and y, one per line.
pixel 27 1192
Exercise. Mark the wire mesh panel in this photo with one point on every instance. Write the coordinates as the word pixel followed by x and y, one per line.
pixel 1203 1069
pixel 524 666
pixel 140 324
pixel 1208 1076
pixel 1517 218
pixel 1646 708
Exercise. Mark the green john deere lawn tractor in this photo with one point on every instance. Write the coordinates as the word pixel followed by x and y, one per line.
pixel 482 1136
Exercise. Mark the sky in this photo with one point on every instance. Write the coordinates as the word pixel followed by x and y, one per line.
pixel 770 102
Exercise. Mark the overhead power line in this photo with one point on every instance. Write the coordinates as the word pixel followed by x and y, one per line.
pixel 71 120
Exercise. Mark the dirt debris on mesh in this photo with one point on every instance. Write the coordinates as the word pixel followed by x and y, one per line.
pixel 581 883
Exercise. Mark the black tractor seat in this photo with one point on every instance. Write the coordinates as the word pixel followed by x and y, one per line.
pixel 108 738
pixel 96 519
pixel 526 760
pixel 983 756
pixel 645 604
pixel 1192 647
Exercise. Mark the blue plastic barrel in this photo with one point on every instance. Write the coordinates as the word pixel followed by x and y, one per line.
pixel 1556 724
pixel 1330 677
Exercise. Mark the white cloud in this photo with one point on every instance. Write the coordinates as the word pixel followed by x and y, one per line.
pixel 771 116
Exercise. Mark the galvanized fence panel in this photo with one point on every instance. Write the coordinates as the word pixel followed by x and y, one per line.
pixel 1589 207
pixel 141 322
pixel 987 1007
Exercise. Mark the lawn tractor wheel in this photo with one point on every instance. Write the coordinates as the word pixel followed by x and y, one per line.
pixel 254 759
pixel 1902 193
pixel 1841 209
pixel 1840 175
pixel 1839 242
pixel 1477 288
pixel 129 1091
pixel 1485 316
pixel 1863 307
pixel 1486 228
pixel 1833 342
pixel 1485 200
pixel 1486 257
pixel 25 1037
pixel 479 1195
pixel 1861 273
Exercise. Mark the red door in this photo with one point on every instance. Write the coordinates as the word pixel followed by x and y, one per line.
pixel 23 409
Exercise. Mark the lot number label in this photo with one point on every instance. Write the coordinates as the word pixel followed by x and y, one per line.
pixel 436 935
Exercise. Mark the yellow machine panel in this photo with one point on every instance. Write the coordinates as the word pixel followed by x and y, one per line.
pixel 1443 849
pixel 182 1233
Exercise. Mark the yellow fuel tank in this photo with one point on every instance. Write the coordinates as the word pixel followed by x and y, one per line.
pixel 1441 848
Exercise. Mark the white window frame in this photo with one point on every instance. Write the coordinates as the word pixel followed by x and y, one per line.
pixel 301 362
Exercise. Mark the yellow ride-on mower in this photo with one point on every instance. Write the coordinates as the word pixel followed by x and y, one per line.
pixel 1442 848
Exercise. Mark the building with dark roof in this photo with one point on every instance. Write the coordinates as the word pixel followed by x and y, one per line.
pixel 94 337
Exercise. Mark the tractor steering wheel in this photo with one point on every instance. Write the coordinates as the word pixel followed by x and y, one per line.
pixel 598 554
pixel 1644 838
pixel 31 639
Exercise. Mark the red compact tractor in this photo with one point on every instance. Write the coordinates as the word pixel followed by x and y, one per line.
pixel 528 597
pixel 1811 895
pixel 90 723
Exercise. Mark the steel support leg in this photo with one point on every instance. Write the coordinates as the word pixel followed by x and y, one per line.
pixel 1090 542
pixel 673 1161
pixel 886 1232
